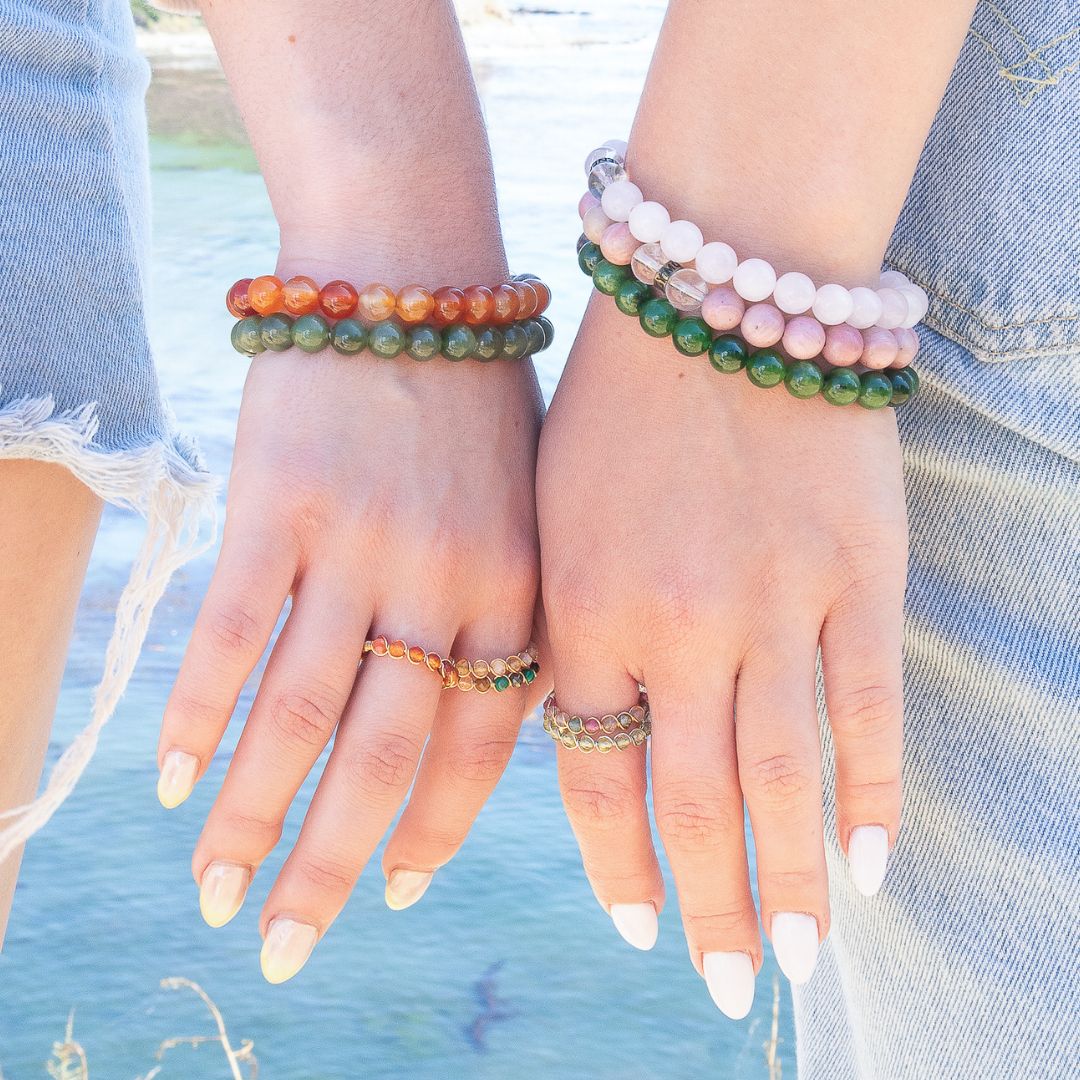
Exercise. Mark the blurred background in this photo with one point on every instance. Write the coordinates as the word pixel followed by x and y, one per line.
pixel 508 968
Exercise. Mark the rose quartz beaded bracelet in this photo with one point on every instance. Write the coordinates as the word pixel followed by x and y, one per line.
pixel 872 327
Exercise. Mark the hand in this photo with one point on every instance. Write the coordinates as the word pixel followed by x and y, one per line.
pixel 703 536
pixel 384 497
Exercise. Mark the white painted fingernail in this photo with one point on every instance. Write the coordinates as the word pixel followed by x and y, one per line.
pixel 405 887
pixel 795 942
pixel 637 923
pixel 178 773
pixel 286 949
pixel 868 857
pixel 222 890
pixel 730 979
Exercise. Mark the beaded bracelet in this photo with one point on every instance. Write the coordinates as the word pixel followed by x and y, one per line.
pixel 728 353
pixel 612 198
pixel 499 674
pixel 524 296
pixel 313 333
pixel 615 731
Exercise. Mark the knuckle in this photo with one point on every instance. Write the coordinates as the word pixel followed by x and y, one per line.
pixel 246 830
pixel 479 762
pixel 575 597
pixel 699 822
pixel 327 875
pixel 384 765
pixel 232 630
pixel 601 802
pixel 868 712
pixel 805 882
pixel 730 923
pixel 780 781
pixel 303 718
pixel 194 708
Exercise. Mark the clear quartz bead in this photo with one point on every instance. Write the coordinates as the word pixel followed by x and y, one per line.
pixel 686 290
pixel 646 261
pixel 665 274
pixel 613 148
pixel 605 170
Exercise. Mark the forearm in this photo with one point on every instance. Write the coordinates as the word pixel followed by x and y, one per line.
pixel 47 525
pixel 791 130
pixel 369 133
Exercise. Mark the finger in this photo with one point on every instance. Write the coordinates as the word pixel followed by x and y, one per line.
pixel 861 647
pixel 542 685
pixel 699 816
pixel 780 773
pixel 604 795
pixel 307 683
pixel 251 582
pixel 368 774
pixel 473 737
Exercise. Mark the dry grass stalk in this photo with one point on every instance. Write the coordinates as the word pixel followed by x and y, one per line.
pixel 69 1059
pixel 772 1044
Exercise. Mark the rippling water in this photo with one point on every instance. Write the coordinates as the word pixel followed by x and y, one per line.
pixel 106 906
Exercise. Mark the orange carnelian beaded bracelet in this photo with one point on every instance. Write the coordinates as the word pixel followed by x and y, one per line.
pixel 480 675
pixel 523 297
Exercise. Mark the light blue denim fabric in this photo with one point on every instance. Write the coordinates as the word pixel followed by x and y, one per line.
pixel 967 965
pixel 74 218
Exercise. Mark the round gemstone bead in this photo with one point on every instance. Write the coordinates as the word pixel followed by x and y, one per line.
pixel 423 342
pixel 803 379
pixel 264 294
pixel 658 317
pixel 875 391
pixel 459 342
pixel 762 325
pixel 479 304
pixel 348 336
pixel 804 337
pixel 686 289
pixel 765 368
pixel 754 280
pixel 723 308
pixel 594 223
pixel 681 241
pixel 415 304
pixel 843 345
pixel 543 294
pixel 337 299
pixel 310 333
pixel 727 353
pixel 903 386
pixel 620 198
pixel 607 277
pixel 448 306
pixel 894 309
pixel 618 147
pixel 646 261
pixel 588 257
pixel 515 342
pixel 692 336
pixel 586 203
pixel 618 244
pixel 276 332
pixel 527 297
pixel 879 348
pixel 893 279
pixel 237 300
pixel 549 330
pixel 506 304
pixel 648 220
pixel 865 307
pixel 489 344
pixel 606 150
pixel 630 295
pixel 605 172
pixel 794 293
pixel 918 304
pixel 300 295
pixel 841 387
pixel 716 262
pixel 245 336
pixel 908 342
pixel 387 340
pixel 376 302
pixel 535 333
pixel 832 305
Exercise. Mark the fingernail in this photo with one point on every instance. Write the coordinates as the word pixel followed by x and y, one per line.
pixel 730 979
pixel 868 857
pixel 178 772
pixel 405 887
pixel 286 949
pixel 795 942
pixel 637 923
pixel 222 891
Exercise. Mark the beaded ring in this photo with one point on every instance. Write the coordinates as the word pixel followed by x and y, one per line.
pixel 613 731
pixel 729 353
pixel 499 674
